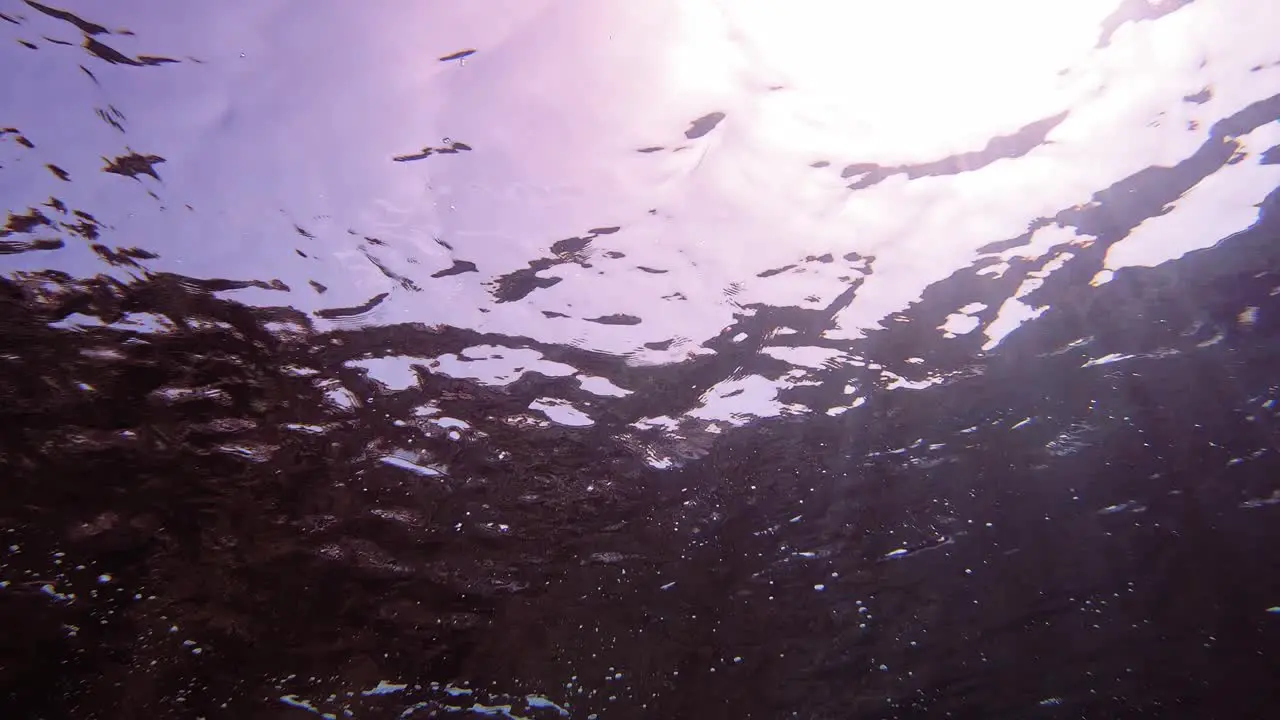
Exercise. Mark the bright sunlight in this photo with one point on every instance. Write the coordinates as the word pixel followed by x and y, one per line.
pixel 933 75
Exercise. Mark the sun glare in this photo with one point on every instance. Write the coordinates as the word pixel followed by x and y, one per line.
pixel 936 75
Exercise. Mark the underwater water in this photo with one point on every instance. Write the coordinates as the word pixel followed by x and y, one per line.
pixel 613 360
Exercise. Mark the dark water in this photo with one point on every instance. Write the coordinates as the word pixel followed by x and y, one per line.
pixel 640 360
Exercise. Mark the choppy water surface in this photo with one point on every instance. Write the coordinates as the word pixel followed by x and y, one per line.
pixel 640 360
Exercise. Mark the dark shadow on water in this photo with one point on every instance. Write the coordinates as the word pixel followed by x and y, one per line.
pixel 1096 553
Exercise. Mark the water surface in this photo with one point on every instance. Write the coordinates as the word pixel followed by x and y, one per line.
pixel 639 360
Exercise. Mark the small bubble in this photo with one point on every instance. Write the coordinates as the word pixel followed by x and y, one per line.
pixel 819 587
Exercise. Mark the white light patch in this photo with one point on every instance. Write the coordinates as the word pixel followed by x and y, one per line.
pixel 341 397
pixel 384 688
pixel 996 271
pixel 1045 238
pixel 1107 359
pixel 817 358
pixel 396 371
pixel 302 704
pixel 601 386
pixel 1013 313
pixel 897 382
pixel 538 701
pixel 963 322
pixel 737 401
pixel 498 365
pixel 561 412
pixel 1224 203
pixel 411 466
pixel 662 421
pixel 75 321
